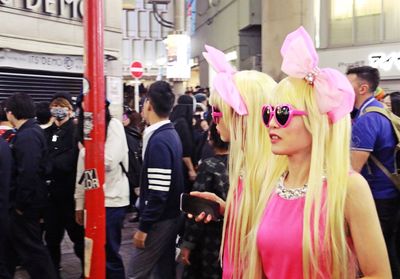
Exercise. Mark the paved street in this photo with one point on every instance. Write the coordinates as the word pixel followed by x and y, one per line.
pixel 70 264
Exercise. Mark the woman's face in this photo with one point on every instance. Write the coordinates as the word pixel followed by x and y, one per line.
pixel 292 139
pixel 387 101
pixel 223 130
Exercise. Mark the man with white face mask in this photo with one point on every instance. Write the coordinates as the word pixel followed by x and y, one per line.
pixel 63 154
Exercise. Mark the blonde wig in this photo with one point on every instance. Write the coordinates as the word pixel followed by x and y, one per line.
pixel 330 158
pixel 249 150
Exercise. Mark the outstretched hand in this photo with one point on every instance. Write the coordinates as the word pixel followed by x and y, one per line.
pixel 208 196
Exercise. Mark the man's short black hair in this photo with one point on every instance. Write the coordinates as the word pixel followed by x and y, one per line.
pixel 367 74
pixel 21 105
pixel 43 113
pixel 161 98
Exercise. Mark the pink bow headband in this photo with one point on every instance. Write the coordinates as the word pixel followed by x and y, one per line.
pixel 334 93
pixel 223 81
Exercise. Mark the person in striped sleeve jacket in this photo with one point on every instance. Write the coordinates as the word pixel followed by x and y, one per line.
pixel 160 189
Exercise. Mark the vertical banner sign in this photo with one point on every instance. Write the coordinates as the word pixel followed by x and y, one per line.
pixel 94 129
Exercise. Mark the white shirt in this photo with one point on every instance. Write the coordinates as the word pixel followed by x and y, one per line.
pixel 116 186
pixel 148 132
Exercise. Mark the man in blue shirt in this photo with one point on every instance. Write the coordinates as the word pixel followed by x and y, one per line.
pixel 373 134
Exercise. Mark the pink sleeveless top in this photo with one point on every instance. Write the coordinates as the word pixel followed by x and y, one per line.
pixel 227 265
pixel 280 238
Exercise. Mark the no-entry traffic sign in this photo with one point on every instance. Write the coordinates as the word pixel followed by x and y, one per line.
pixel 136 69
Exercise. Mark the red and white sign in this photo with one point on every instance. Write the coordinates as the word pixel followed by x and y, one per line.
pixel 136 69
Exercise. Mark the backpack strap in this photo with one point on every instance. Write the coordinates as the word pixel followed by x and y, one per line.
pixel 393 177
pixel 389 115
pixel 123 168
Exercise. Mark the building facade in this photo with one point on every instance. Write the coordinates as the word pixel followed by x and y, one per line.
pixel 233 26
pixel 347 33
pixel 42 52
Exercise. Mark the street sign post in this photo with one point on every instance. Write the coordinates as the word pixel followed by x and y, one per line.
pixel 94 115
pixel 136 70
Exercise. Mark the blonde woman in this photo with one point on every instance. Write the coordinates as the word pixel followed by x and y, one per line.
pixel 236 101
pixel 316 218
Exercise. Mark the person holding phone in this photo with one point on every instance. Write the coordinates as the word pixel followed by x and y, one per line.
pixel 201 242
pixel 235 101
pixel 316 217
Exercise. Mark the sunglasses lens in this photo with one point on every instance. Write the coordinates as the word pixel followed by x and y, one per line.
pixel 267 115
pixel 282 115
pixel 215 114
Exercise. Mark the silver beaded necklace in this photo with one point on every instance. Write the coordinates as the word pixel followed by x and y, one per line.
pixel 287 193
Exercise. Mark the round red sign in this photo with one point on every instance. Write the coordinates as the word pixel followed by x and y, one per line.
pixel 136 69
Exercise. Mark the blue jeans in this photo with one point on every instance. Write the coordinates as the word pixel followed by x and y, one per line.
pixel 114 221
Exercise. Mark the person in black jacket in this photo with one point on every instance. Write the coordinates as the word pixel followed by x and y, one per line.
pixel 160 189
pixel 5 176
pixel 131 121
pixel 28 193
pixel 182 118
pixel 63 155
pixel 201 242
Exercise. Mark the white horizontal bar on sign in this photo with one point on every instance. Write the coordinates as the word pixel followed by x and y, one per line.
pixel 134 69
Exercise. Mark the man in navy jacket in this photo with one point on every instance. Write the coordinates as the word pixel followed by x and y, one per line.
pixel 28 193
pixel 160 189
pixel 5 175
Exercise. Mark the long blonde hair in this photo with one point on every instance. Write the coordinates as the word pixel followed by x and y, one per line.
pixel 248 140
pixel 330 158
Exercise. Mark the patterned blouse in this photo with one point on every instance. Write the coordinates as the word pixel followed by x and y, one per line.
pixel 204 240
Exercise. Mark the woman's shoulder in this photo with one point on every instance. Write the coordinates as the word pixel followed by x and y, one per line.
pixel 359 196
pixel 357 185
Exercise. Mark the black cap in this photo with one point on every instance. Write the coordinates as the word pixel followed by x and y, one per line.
pixel 64 95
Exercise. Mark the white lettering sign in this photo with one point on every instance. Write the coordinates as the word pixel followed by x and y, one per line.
pixel 385 57
pixel 385 62
pixel 49 6
pixel 72 9
pixel 31 4
pixel 44 62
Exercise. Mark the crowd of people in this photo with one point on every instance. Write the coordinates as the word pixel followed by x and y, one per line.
pixel 301 169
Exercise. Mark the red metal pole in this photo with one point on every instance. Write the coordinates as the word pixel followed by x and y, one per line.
pixel 94 124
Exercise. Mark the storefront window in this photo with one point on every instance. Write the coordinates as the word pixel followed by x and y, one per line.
pixel 357 22
pixel 367 21
pixel 341 23
pixel 392 19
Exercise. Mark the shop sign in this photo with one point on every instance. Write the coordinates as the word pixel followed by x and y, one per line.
pixel 44 62
pixel 71 9
pixel 385 62
pixel 178 49
pixel 385 57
